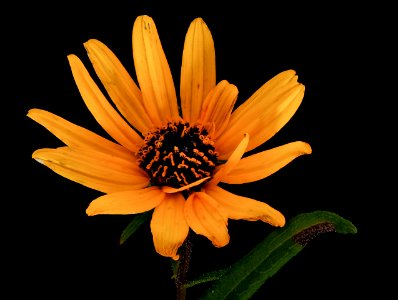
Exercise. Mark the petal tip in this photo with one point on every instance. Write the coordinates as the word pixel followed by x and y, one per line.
pixel 176 257
pixel 221 243
pixel 281 221
pixel 198 20
pixel 30 112
pixel 290 72
pixel 90 212
pixel 38 160
pixel 306 149
pixel 90 41
pixel 309 149
pixel 144 19
pixel 276 219
pixel 72 58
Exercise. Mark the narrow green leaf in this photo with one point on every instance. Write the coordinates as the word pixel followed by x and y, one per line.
pixel 138 220
pixel 248 274
pixel 210 276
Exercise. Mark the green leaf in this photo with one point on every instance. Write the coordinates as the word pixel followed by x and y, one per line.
pixel 133 226
pixel 210 276
pixel 248 274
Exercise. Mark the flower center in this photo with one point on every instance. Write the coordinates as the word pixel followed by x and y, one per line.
pixel 177 154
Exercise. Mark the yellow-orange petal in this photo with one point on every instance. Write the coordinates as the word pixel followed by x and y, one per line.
pixel 120 86
pixel 171 190
pixel 198 70
pixel 273 85
pixel 153 72
pixel 76 136
pixel 218 105
pixel 232 161
pixel 263 164
pixel 96 170
pixel 168 225
pixel 263 114
pixel 238 207
pixel 205 216
pixel 101 109
pixel 126 202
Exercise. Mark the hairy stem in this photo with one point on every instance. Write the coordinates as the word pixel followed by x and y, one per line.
pixel 181 276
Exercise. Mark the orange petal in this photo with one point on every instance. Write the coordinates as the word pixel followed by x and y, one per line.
pixel 101 109
pixel 218 105
pixel 119 85
pixel 205 217
pixel 263 164
pixel 126 202
pixel 233 160
pixel 96 170
pixel 153 72
pixel 263 114
pixel 76 136
pixel 171 190
pixel 198 70
pixel 238 207
pixel 168 225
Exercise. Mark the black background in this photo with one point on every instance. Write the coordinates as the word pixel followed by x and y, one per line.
pixel 55 250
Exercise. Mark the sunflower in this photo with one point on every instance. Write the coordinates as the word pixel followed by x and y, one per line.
pixel 167 154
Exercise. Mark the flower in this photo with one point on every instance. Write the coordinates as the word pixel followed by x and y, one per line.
pixel 170 157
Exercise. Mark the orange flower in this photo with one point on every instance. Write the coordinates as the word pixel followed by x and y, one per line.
pixel 167 160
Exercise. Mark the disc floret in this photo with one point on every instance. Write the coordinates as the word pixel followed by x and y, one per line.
pixel 177 154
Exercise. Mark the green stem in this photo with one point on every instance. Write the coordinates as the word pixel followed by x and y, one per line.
pixel 181 278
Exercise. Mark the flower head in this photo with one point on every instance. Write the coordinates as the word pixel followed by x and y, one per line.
pixel 169 155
